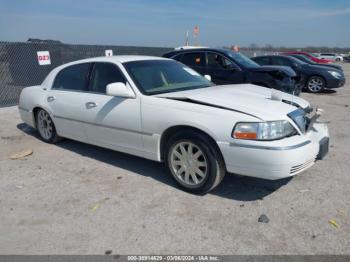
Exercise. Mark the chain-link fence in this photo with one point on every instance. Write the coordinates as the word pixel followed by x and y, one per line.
pixel 19 64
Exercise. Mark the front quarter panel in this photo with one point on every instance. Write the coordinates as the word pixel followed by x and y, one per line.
pixel 159 114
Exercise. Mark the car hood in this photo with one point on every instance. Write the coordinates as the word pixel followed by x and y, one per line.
pixel 324 68
pixel 285 69
pixel 244 98
pixel 327 67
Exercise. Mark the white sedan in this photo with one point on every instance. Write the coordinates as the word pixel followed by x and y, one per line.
pixel 162 110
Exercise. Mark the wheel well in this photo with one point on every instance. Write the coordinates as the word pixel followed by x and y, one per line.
pixel 175 130
pixel 35 110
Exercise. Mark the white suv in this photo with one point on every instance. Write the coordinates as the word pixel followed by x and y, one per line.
pixel 331 56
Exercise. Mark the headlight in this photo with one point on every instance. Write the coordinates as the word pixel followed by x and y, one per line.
pixel 335 74
pixel 263 130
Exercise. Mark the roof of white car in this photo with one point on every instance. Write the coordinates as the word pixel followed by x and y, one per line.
pixel 120 58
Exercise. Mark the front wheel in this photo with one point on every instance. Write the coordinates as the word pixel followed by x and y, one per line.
pixel 46 127
pixel 194 163
pixel 315 84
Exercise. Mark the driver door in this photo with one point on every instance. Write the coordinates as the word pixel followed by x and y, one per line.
pixel 222 70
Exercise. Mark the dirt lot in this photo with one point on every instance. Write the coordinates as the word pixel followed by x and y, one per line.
pixel 73 198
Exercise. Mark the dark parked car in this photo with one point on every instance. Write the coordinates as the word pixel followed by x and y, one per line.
pixel 346 58
pixel 309 61
pixel 315 77
pixel 228 67
pixel 311 57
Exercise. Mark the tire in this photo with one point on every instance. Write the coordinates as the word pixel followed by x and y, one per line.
pixel 315 84
pixel 198 172
pixel 46 127
pixel 338 59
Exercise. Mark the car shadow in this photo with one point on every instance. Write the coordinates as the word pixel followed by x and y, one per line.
pixel 235 187
pixel 323 92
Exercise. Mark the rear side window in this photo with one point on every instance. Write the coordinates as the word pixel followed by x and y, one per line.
pixel 104 74
pixel 74 78
pixel 281 61
pixel 193 59
pixel 262 60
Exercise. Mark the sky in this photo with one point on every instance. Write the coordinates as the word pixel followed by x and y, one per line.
pixel 292 23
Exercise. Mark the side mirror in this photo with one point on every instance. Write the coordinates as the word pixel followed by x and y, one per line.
pixel 208 77
pixel 119 89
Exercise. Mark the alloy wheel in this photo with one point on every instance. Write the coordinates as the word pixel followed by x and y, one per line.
pixel 315 84
pixel 188 163
pixel 45 125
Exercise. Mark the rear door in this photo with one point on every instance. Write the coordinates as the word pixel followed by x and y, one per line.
pixel 67 101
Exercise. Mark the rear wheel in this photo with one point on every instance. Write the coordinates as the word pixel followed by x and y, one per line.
pixel 315 84
pixel 194 162
pixel 46 127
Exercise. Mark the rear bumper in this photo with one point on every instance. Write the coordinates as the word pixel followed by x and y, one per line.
pixel 27 116
pixel 264 160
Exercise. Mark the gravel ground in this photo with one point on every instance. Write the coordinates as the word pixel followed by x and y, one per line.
pixel 73 198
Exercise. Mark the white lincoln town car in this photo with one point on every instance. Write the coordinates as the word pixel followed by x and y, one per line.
pixel 162 110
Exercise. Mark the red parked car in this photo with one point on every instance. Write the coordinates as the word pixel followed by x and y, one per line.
pixel 312 57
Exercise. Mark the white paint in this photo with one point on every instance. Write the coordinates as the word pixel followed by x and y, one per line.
pixel 136 125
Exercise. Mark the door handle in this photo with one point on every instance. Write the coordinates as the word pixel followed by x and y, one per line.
pixel 51 98
pixel 90 105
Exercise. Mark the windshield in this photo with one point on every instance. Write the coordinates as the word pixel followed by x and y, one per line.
pixel 298 60
pixel 242 60
pixel 305 59
pixel 164 76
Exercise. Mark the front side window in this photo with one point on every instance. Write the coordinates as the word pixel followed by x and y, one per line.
pixel 104 74
pixel 164 76
pixel 73 78
pixel 218 61
pixel 193 59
